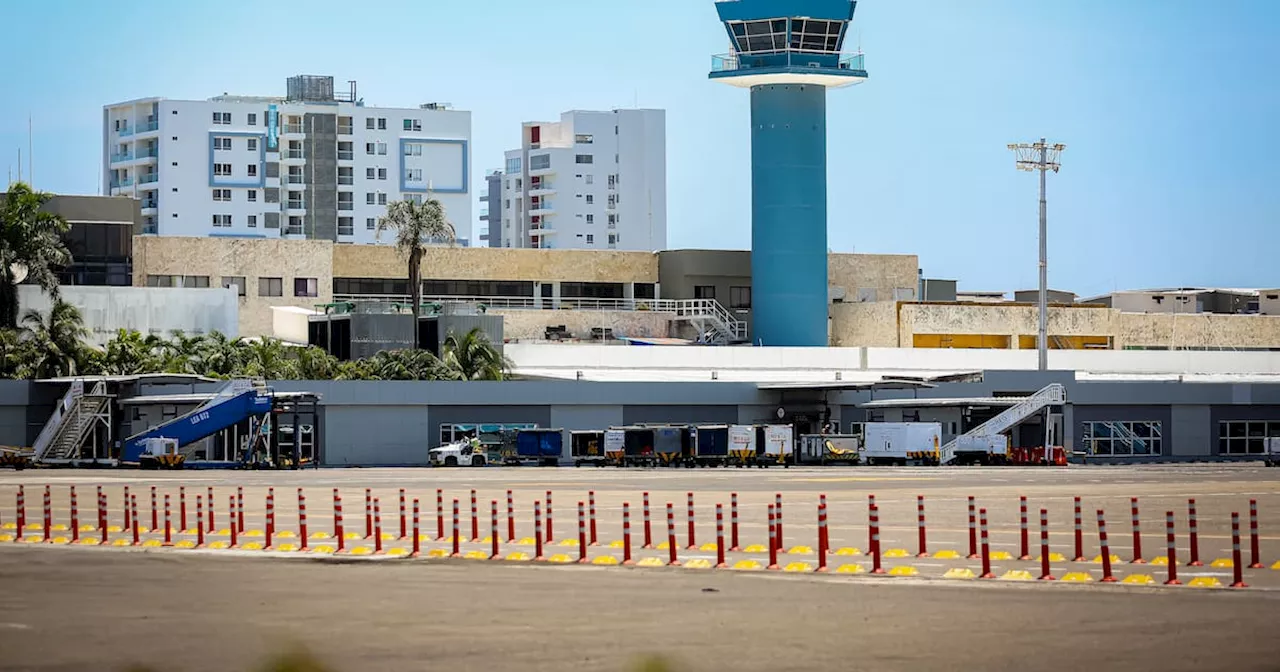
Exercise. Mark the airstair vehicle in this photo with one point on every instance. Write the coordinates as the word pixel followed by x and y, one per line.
pixel 1051 395
pixel 72 425
pixel 234 403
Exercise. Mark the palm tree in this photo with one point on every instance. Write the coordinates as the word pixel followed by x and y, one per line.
pixel 416 225
pixel 182 352
pixel 219 356
pixel 57 347
pixel 268 359
pixel 31 245
pixel 129 352
pixel 314 363
pixel 473 357
pixel 13 354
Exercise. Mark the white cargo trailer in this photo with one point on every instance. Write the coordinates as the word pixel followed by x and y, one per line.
pixel 901 442
pixel 987 449
pixel 778 442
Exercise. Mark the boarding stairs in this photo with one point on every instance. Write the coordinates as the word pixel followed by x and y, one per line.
pixel 1053 394
pixel 72 422
pixel 234 402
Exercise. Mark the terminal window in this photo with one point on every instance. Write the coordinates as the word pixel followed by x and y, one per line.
pixel 1246 437
pixel 1121 438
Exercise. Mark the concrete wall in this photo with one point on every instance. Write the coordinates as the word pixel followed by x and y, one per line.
pixel 865 324
pixel 891 276
pixel 476 263
pixel 219 258
pixel 150 310
pixel 532 324
pixel 1204 330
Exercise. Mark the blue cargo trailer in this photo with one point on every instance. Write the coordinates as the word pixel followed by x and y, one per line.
pixel 542 446
pixel 711 445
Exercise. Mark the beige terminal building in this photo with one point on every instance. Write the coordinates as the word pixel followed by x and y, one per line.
pixel 578 295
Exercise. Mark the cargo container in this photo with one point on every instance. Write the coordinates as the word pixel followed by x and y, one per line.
pixel 742 445
pixel 638 447
pixel 711 445
pixel 615 450
pixel 587 448
pixel 992 449
pixel 671 444
pixel 541 446
pixel 829 449
pixel 774 445
pixel 902 442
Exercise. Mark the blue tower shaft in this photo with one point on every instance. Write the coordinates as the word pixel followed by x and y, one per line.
pixel 789 214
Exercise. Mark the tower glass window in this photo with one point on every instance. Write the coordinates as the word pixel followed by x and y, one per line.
pixel 759 36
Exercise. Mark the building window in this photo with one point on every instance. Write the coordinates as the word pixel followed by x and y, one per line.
pixel 253 195
pixel 613 201
pixel 413 175
pixel 195 281
pixel 370 223
pixel 370 198
pixel 160 281
pixel 1122 438
pixel 222 144
pixel 368 123
pixel 613 181
pixel 704 292
pixel 252 144
pixel 222 194
pixel 235 282
pixel 583 139
pixel 740 298
pixel 591 179
pixel 584 158
pixel 412 125
pixel 382 148
pixel 370 173
pixel 270 286
pixel 1246 437
pixel 295 200
pixel 253 221
pixel 344 175
pixel 253 121
pixel 413 149
pixel 613 221
pixel 252 170
pixel 382 173
pixel 382 198
pixel 346 226
pixel 591 239
pixel 345 151
pixel 221 118
pixel 222 170
pixel 513 166
pixel 222 221
pixel 305 287
pixel 294 227
pixel 540 162
pixel 382 123
pixel 613 239
pixel 370 148
pixel 345 201
pixel 271 220
pixel 591 219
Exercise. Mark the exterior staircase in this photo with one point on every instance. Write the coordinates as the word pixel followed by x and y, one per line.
pixel 72 422
pixel 716 324
pixel 1051 395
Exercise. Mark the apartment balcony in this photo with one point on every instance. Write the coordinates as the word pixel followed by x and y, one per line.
pixel 295 205
pixel 542 188
pixel 119 184
pixel 149 178
pixel 121 157
pixel 541 231
pixel 342 179
pixel 346 205
pixel 344 130
pixel 297 179
pixel 293 128
pixel 149 126
pixel 293 155
pixel 124 131
pixel 150 205
pixel 149 153
pixel 542 208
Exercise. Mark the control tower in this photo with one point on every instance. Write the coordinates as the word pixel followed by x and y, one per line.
pixel 788 53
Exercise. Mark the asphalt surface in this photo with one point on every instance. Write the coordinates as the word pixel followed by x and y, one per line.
pixel 65 609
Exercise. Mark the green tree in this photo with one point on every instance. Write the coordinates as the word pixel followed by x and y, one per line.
pixel 129 352
pixel 14 354
pixel 56 342
pixel 314 363
pixel 31 245
pixel 219 356
pixel 182 353
pixel 474 357
pixel 416 225
pixel 268 359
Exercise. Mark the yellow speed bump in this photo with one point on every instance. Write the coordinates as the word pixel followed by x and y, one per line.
pixel 350 536
pixel 1077 577
pixel 89 528
pixel 387 536
pixel 397 552
pixel 185 543
pixel 756 548
pixel 526 541
pixel 663 546
pixel 560 559
pixel 31 540
pixel 114 528
pixel 437 553
pixel 1205 582
pixel 851 568
pixel 1097 559
pixel 897 553
pixel 361 550
pixel 947 555
pixel 569 542
pixel 119 542
pixel 518 556
pixel 221 533
pixel 58 528
pixel 1276 566
pixel 475 555
pixel 286 548
pixel 800 550
pixel 219 545
pixel 152 543
pixel 1139 580
pixel 287 534
pixel 6 537
pixel 251 546
pixel 189 530
pixel 747 566
pixel 651 562
pixel 903 570
pixel 323 549
pixel 85 541
pixel 797 567
pixel 1222 563
pixel 605 560
pixel 38 526
pixel 251 533
pixel 1053 557
pixel 708 548
pixel 847 550
pixel 8 526
pixel 60 540
pixel 616 543
pixel 1001 555
pixel 1017 575
pixel 959 573
pixel 1160 561
pixel 698 563
pixel 318 535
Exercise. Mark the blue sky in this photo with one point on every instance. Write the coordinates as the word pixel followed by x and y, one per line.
pixel 1169 109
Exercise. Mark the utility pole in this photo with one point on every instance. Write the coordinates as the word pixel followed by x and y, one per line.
pixel 1043 157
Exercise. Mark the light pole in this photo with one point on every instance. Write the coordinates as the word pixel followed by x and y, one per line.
pixel 1043 157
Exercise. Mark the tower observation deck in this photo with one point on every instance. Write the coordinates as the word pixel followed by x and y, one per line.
pixel 788 53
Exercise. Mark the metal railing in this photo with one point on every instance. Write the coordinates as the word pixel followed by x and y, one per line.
pixel 789 58
pixel 55 422
pixel 149 178
pixel 123 156
pixel 681 308
pixel 150 152
pixel 148 126
pixel 126 182
pixel 125 131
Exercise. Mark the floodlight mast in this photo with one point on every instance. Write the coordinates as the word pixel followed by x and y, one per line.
pixel 1043 157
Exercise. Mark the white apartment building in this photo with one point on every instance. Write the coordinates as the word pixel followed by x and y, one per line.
pixel 595 180
pixel 314 164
